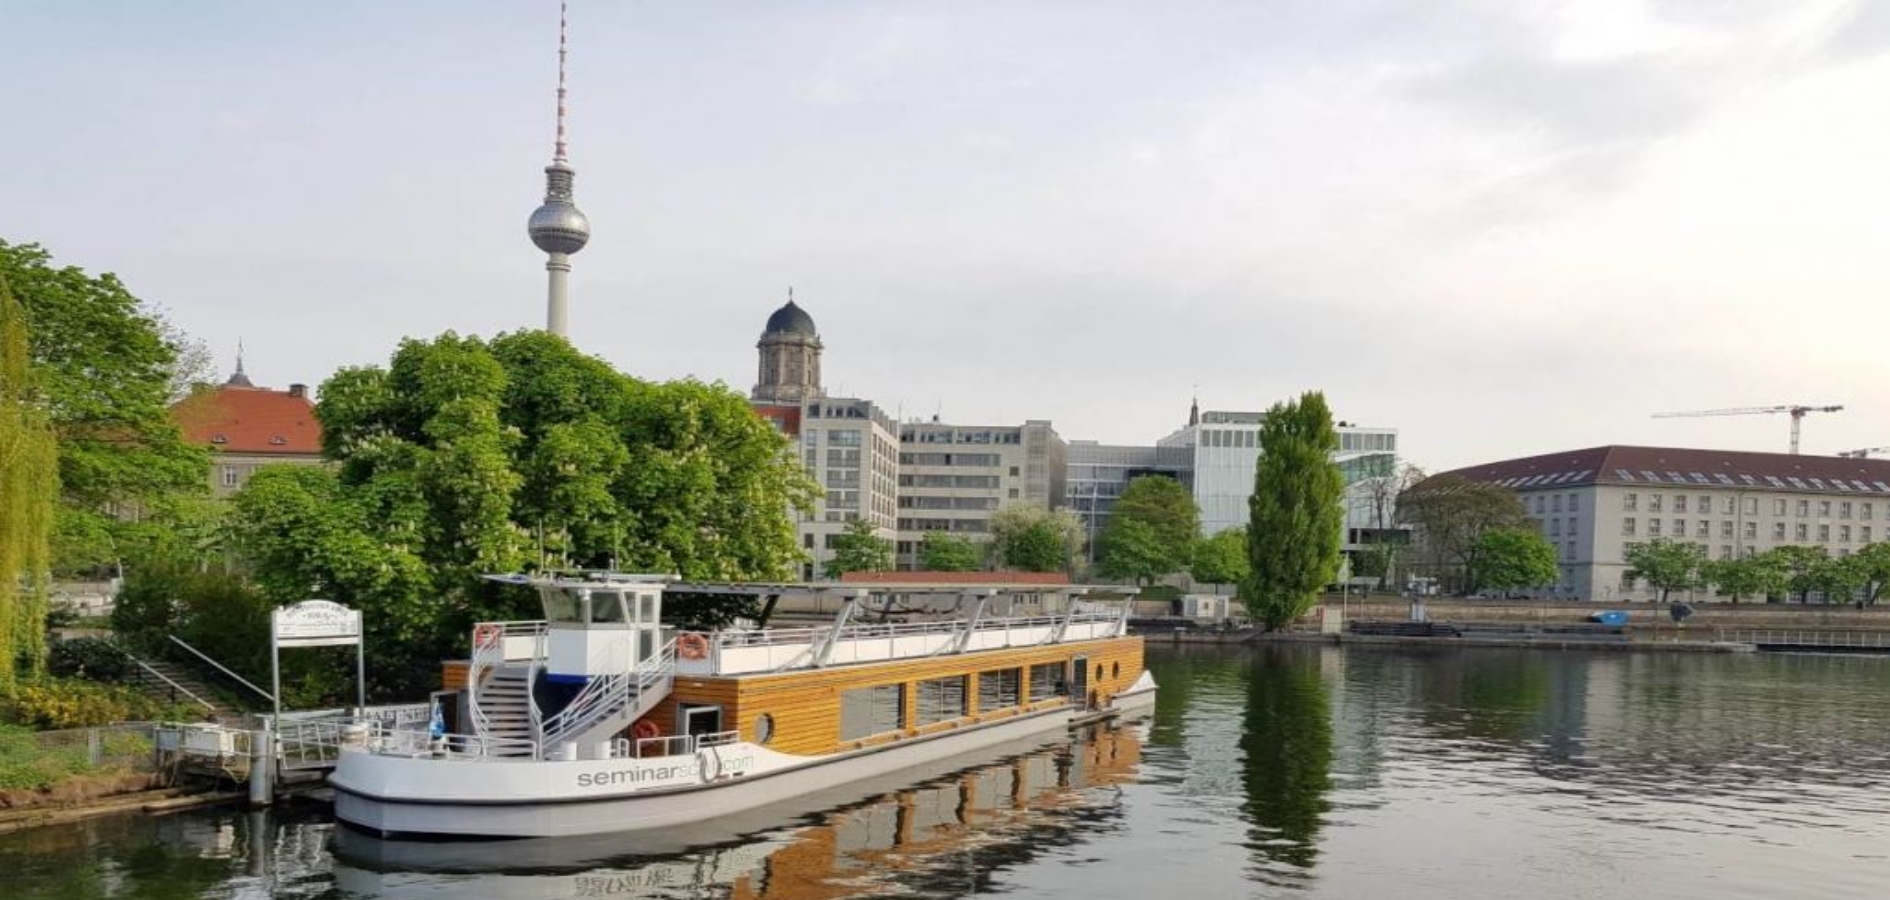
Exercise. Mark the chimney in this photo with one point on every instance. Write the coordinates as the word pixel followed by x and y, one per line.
pixel 298 390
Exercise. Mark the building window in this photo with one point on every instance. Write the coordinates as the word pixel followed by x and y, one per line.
pixel 1804 508
pixel 1824 509
pixel 1679 528
pixel 1627 580
pixel 865 712
pixel 999 689
pixel 1574 503
pixel 1725 551
pixel 1703 528
pixel 1653 503
pixel 1555 503
pixel 1751 531
pixel 229 476
pixel 1047 682
pixel 1627 525
pixel 1824 534
pixel 1844 510
pixel 1864 534
pixel 941 700
pixel 1863 510
pixel 1555 527
pixel 1844 534
pixel 1802 532
pixel 1752 506
pixel 1778 531
pixel 1542 504
pixel 1653 527
pixel 1680 503
pixel 1726 529
pixel 1630 502
pixel 1778 507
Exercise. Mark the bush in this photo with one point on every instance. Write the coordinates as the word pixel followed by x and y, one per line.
pixel 24 765
pixel 52 703
pixel 96 658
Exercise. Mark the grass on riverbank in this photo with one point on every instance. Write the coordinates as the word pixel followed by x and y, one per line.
pixel 37 761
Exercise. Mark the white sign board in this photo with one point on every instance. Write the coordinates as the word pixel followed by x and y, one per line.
pixel 316 623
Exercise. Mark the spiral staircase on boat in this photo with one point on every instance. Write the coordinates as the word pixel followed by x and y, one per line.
pixel 598 662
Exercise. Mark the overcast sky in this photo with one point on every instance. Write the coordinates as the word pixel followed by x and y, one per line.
pixel 1501 227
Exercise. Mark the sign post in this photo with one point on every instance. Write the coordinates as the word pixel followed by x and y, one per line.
pixel 316 623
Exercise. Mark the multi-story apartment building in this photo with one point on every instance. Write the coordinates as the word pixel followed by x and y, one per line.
pixel 954 478
pixel 851 448
pixel 1592 504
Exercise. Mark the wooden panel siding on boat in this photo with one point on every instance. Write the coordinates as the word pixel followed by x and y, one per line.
pixel 805 704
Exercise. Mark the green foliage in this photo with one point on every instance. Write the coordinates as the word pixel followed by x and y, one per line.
pixel 1373 561
pixel 1152 530
pixel 1222 559
pixel 106 366
pixel 1801 565
pixel 95 658
pixel 1509 558
pixel 944 552
pixel 464 457
pixel 1294 517
pixel 1450 513
pixel 1030 538
pixel 857 549
pixel 1667 565
pixel 29 488
pixel 1872 562
pixel 49 703
pixel 1760 575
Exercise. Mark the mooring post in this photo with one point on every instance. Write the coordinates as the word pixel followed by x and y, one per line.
pixel 262 767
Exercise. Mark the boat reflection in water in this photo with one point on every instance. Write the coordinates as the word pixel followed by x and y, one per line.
pixel 943 832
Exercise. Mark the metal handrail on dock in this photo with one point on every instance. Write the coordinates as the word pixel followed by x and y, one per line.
pixel 1843 640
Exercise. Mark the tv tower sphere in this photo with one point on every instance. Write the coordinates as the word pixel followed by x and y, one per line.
pixel 557 226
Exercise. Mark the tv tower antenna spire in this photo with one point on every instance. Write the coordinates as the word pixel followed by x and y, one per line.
pixel 557 227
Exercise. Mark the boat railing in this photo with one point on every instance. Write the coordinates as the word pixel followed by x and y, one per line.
pixel 395 742
pixel 611 694
pixel 869 631
pixel 672 744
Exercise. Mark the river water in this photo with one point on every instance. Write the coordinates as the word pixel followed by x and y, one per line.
pixel 1281 771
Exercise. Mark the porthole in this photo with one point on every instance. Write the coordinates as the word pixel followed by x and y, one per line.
pixel 1099 671
pixel 764 729
pixel 1115 670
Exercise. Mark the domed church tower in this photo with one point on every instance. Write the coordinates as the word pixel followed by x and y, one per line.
pixel 790 357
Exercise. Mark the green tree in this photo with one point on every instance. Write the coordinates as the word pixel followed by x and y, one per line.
pixel 1152 529
pixel 1133 549
pixel 1666 565
pixel 29 489
pixel 464 457
pixel 1294 517
pixel 944 552
pixel 106 366
pixel 1222 559
pixel 1839 578
pixel 1801 565
pixel 1510 558
pixel 1873 564
pixel 1449 514
pixel 1031 538
pixel 1760 574
pixel 857 549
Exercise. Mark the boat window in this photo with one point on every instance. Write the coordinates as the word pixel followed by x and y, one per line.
pixel 764 729
pixel 1099 671
pixel 646 609
pixel 1115 670
pixel 868 711
pixel 560 605
pixel 607 606
pixel 1048 681
pixel 999 689
pixel 941 699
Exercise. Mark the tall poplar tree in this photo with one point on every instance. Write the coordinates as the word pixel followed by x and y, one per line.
pixel 1294 517
pixel 29 472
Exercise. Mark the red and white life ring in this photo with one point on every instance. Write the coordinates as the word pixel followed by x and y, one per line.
pixel 646 729
pixel 487 635
pixel 692 645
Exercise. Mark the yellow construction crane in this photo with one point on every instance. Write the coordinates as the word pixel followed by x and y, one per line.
pixel 1797 412
pixel 1864 453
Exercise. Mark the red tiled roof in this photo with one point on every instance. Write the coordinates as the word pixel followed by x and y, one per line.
pixel 1681 467
pixel 955 578
pixel 250 420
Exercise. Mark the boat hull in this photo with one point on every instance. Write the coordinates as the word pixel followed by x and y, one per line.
pixel 499 800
